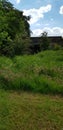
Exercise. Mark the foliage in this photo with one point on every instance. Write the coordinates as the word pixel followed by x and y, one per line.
pixel 44 42
pixel 22 44
pixel 13 24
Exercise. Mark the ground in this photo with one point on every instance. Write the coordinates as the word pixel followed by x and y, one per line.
pixel 28 111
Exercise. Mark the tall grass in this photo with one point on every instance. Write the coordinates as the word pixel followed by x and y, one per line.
pixel 42 72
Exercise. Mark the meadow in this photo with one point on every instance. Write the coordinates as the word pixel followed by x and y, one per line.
pixel 42 72
pixel 31 91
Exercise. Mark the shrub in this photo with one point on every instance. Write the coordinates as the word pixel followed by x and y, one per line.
pixel 56 46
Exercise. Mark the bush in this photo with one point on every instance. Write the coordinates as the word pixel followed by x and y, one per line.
pixel 56 46
pixel 22 44
pixel 6 45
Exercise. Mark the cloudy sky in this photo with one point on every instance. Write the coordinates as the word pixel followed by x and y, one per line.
pixel 46 15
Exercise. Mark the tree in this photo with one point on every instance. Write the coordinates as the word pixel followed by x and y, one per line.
pixel 22 44
pixel 44 42
pixel 13 27
pixel 6 5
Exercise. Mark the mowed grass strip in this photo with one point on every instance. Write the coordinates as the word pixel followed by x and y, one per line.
pixel 28 111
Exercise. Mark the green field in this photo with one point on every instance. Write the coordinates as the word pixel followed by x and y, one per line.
pixel 28 111
pixel 41 73
pixel 31 92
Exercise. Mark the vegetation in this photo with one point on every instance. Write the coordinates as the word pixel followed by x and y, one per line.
pixel 14 30
pixel 31 86
pixel 44 42
pixel 56 46
pixel 28 111
pixel 15 33
pixel 42 72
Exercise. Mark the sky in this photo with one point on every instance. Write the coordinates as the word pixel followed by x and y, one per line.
pixel 46 15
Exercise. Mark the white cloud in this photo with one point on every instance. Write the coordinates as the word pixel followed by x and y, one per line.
pixel 36 32
pixel 17 1
pixel 36 14
pixel 61 10
pixel 55 31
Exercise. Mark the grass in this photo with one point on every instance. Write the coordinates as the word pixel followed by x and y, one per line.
pixel 31 92
pixel 41 73
pixel 29 111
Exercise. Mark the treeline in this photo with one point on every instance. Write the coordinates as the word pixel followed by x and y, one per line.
pixel 14 30
pixel 15 33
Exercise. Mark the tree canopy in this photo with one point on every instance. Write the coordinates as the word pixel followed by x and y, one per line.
pixel 13 26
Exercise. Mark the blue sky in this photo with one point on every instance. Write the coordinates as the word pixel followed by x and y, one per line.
pixel 46 15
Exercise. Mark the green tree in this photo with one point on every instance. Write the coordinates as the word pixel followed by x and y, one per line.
pixel 44 42
pixel 13 27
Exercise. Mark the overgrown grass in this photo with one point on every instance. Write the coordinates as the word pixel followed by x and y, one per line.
pixel 39 73
pixel 42 72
